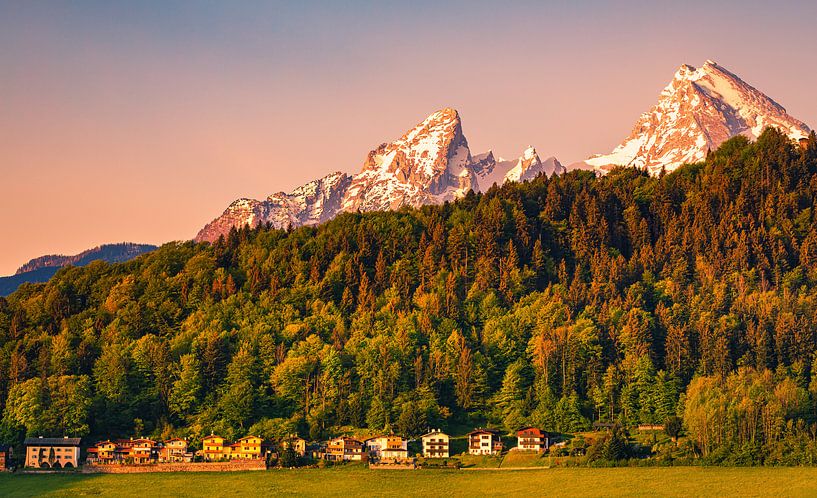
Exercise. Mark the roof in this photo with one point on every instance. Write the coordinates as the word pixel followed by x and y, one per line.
pixel 495 432
pixel 535 430
pixel 435 433
pixel 52 441
pixel 175 439
pixel 250 437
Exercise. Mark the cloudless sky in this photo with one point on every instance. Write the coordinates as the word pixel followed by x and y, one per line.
pixel 141 121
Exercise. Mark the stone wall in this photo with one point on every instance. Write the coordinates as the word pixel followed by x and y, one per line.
pixel 176 467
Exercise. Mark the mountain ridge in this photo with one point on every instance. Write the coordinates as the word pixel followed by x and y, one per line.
pixel 429 164
pixel 697 111
pixel 42 268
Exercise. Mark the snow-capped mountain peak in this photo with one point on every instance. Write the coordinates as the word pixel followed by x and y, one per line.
pixel 696 112
pixel 430 164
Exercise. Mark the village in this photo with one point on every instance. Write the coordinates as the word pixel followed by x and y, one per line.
pixel 391 451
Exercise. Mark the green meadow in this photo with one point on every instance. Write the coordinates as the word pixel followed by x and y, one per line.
pixel 359 481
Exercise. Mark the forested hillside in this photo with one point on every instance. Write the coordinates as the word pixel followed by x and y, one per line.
pixel 555 302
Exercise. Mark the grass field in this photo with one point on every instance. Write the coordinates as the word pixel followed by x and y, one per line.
pixel 354 481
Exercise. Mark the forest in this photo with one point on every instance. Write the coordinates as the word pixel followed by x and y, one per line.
pixel 558 303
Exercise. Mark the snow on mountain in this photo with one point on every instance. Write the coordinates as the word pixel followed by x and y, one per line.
pixel 430 164
pixel 310 204
pixel 697 111
pixel 498 171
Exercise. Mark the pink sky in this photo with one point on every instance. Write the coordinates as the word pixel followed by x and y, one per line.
pixel 142 125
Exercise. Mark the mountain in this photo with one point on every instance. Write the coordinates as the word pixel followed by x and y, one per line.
pixel 310 204
pixel 697 111
pixel 429 164
pixel 43 268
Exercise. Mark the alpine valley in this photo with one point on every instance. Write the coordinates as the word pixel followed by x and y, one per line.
pixel 432 163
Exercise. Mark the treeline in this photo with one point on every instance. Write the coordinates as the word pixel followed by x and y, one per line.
pixel 557 303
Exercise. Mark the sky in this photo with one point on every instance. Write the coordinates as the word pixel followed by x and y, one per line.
pixel 141 121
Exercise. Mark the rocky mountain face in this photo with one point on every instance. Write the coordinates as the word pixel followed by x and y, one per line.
pixel 43 268
pixel 699 110
pixel 430 164
pixel 310 204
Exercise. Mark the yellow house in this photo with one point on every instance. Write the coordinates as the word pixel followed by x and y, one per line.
pixel 213 448
pixel 52 452
pixel 248 448
pixel 103 452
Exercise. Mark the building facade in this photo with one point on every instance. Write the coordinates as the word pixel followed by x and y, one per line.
pixel 5 457
pixel 436 444
pixel 213 449
pixel 298 444
pixel 344 449
pixel 247 448
pixel 175 450
pixel 484 442
pixel 52 452
pixel 532 439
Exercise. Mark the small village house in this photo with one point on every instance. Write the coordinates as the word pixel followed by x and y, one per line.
pixel 344 449
pixel 143 451
pixel 175 450
pixel 52 452
pixel 484 442
pixel 248 448
pixel 435 444
pixel 5 457
pixel 317 451
pixel 396 449
pixel 213 448
pixel 532 439
pixel 298 444
pixel 103 452
pixel 391 447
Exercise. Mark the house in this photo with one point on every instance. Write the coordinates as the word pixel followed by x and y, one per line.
pixel 298 444
pixel 104 452
pixel 435 444
pixel 175 450
pixel 344 449
pixel 484 442
pixel 52 452
pixel 248 448
pixel 143 451
pixel 317 451
pixel 387 447
pixel 532 439
pixel 395 448
pixel 5 457
pixel 213 448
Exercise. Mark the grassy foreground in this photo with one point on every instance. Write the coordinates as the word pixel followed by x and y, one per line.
pixel 670 481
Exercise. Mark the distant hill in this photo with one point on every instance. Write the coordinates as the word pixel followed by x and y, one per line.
pixel 43 268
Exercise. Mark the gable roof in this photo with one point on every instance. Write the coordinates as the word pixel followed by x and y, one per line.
pixel 435 433
pixel 494 432
pixel 250 437
pixel 52 441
